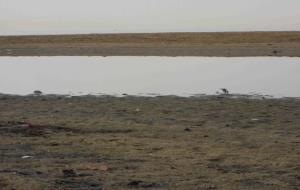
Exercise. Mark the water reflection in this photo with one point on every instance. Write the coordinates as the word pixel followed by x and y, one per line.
pixel 182 76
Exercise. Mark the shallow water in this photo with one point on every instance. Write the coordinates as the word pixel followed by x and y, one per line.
pixel 183 76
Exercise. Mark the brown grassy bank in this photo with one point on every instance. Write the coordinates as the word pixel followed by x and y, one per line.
pixel 168 44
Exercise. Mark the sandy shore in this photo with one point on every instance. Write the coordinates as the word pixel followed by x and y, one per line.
pixel 55 142
pixel 234 44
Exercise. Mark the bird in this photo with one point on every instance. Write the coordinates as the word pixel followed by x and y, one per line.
pixel 225 91
pixel 37 93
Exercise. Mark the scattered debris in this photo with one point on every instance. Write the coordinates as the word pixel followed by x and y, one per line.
pixel 29 129
pixel 103 168
pixel 78 184
pixel 134 183
pixel 187 129
pixel 26 157
pixel 22 172
pixel 276 52
pixel 207 186
pixel 69 173
pixel 54 144
pixel 142 184
pixel 94 167
pixel 8 51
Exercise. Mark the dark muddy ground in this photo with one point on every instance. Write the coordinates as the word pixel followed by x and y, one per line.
pixel 52 142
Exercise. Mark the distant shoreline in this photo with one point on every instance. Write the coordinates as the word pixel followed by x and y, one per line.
pixel 218 44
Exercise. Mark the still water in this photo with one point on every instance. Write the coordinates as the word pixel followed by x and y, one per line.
pixel 183 76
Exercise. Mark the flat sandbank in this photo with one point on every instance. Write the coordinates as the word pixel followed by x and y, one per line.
pixel 225 44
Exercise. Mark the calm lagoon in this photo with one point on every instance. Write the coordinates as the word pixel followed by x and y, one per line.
pixel 148 76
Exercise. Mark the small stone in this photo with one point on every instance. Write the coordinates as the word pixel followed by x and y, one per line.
pixel 187 129
pixel 69 173
pixel 134 183
pixel 26 157
pixel 103 168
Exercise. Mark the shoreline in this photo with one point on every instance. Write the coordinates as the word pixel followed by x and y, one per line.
pixel 220 44
pixel 155 95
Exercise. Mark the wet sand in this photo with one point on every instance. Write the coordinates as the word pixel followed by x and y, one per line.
pixel 230 44
pixel 207 143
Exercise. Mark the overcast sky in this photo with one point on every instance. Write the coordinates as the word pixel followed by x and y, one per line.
pixel 104 16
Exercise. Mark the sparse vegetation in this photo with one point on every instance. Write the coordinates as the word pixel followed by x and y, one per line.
pixel 229 44
pixel 218 142
pixel 160 38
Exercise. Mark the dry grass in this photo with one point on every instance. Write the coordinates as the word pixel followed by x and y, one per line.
pixel 159 38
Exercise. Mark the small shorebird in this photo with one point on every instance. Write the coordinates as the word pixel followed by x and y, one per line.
pixel 225 91
pixel 37 93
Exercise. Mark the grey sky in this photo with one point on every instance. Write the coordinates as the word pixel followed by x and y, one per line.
pixel 103 16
